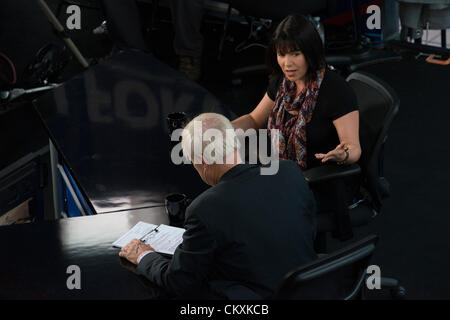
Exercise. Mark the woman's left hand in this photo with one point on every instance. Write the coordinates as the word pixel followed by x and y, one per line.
pixel 338 154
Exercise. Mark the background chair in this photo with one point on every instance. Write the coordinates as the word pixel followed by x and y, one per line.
pixel 417 15
pixel 378 105
pixel 354 55
pixel 337 276
pixel 257 13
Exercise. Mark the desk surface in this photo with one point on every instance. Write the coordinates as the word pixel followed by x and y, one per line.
pixel 37 256
pixel 109 125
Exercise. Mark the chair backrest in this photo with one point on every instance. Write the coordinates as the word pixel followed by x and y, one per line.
pixel 378 105
pixel 267 9
pixel 337 276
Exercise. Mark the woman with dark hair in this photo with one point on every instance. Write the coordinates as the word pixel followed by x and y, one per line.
pixel 313 107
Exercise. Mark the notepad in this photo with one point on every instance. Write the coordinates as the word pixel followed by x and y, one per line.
pixel 163 238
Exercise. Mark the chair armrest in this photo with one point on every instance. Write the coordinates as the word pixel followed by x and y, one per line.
pixel 328 172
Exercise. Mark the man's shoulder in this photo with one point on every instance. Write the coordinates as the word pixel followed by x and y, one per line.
pixel 289 167
pixel 290 172
pixel 203 203
pixel 289 164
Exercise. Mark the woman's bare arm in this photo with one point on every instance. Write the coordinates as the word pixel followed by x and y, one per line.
pixel 256 119
pixel 347 128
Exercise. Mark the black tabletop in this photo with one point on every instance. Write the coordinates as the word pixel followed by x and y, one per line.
pixel 35 258
pixel 109 125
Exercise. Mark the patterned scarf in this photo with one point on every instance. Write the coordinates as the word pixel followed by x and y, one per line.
pixel 292 143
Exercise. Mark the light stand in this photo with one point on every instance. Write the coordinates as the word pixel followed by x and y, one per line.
pixel 61 32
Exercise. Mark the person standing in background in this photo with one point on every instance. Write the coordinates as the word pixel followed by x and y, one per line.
pixel 187 18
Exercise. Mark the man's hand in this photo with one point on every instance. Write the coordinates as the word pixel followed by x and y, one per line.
pixel 134 249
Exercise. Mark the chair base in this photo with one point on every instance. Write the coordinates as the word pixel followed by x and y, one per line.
pixel 398 292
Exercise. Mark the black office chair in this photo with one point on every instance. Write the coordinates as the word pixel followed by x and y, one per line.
pixel 337 276
pixel 378 105
pixel 347 60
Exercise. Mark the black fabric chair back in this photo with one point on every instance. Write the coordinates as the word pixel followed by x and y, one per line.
pixel 378 105
pixel 282 8
pixel 338 276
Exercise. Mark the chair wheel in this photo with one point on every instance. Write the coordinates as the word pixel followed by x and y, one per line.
pixel 398 293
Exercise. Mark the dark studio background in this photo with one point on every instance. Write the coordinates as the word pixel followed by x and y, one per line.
pixel 414 243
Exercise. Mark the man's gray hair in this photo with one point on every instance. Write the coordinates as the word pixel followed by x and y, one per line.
pixel 209 137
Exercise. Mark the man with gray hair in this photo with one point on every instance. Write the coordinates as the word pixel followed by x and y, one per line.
pixel 210 143
pixel 244 233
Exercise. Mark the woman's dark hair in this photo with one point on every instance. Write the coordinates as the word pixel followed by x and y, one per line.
pixel 296 33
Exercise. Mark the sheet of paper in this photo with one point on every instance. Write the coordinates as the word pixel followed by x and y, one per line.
pixel 166 239
pixel 137 232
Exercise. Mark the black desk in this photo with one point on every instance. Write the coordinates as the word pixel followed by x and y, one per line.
pixel 35 258
pixel 109 126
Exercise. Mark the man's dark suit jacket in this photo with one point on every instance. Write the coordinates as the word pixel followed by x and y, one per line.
pixel 242 235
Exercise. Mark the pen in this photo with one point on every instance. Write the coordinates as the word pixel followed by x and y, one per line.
pixel 156 230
